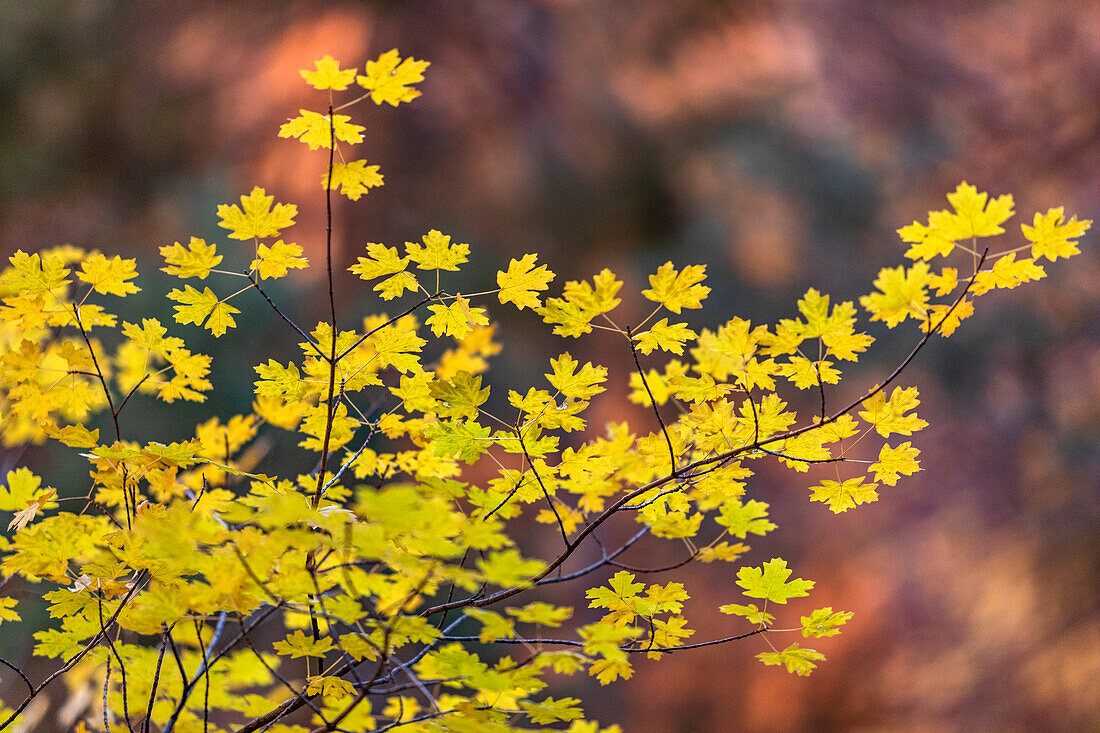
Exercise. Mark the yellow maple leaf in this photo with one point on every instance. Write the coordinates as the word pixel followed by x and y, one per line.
pixel 389 78
pixel 664 337
pixel 893 462
pixel 274 261
pixel 258 218
pixel 203 309
pixel 1051 236
pixel 74 436
pixel 277 412
pixel 927 241
pixel 974 217
pixel 574 384
pixel 597 298
pixel 331 688
pixel 522 281
pixel 354 179
pixel 677 290
pixel 220 441
pixel 1007 273
pixel 298 644
pixel 888 416
pixel 901 294
pixel 769 581
pixel 796 660
pixel 457 319
pixel 20 487
pixel 7 610
pixel 805 373
pixel 844 495
pixel 945 282
pixel 328 75
pixel 317 131
pixel 196 259
pixel 151 335
pixel 34 274
pixel 109 276
pixel 381 260
pixel 437 252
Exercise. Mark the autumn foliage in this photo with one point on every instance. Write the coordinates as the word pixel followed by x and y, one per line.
pixel 382 586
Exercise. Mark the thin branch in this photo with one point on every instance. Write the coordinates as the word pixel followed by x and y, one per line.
pixel 355 344
pixel 274 673
pixel 632 650
pixel 330 406
pixel 550 501
pixel 132 391
pixel 309 339
pixel 121 666
pixel 19 672
pixel 156 679
pixel 106 687
pixel 522 478
pixel 606 560
pixel 652 400
pixel 207 661
pixel 79 655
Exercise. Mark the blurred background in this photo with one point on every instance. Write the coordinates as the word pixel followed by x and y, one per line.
pixel 781 144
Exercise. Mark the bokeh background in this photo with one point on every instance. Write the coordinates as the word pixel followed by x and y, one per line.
pixel 781 144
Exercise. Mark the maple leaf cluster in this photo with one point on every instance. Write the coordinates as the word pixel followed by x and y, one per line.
pixel 397 586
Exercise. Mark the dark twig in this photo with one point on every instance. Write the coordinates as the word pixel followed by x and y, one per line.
pixel 309 339
pixel 138 580
pixel 549 500
pixel 274 673
pixel 646 649
pixel 156 679
pixel 652 400
pixel 506 499
pixel 121 666
pixel 19 672
pixel 132 391
pixel 330 406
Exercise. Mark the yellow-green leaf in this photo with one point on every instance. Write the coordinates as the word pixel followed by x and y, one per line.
pixel 197 259
pixel 1051 236
pixel 353 179
pixel 274 261
pixel 664 337
pixel 769 581
pixel 796 660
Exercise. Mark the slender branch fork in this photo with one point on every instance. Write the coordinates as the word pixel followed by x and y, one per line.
pixel 686 472
pixel 99 636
